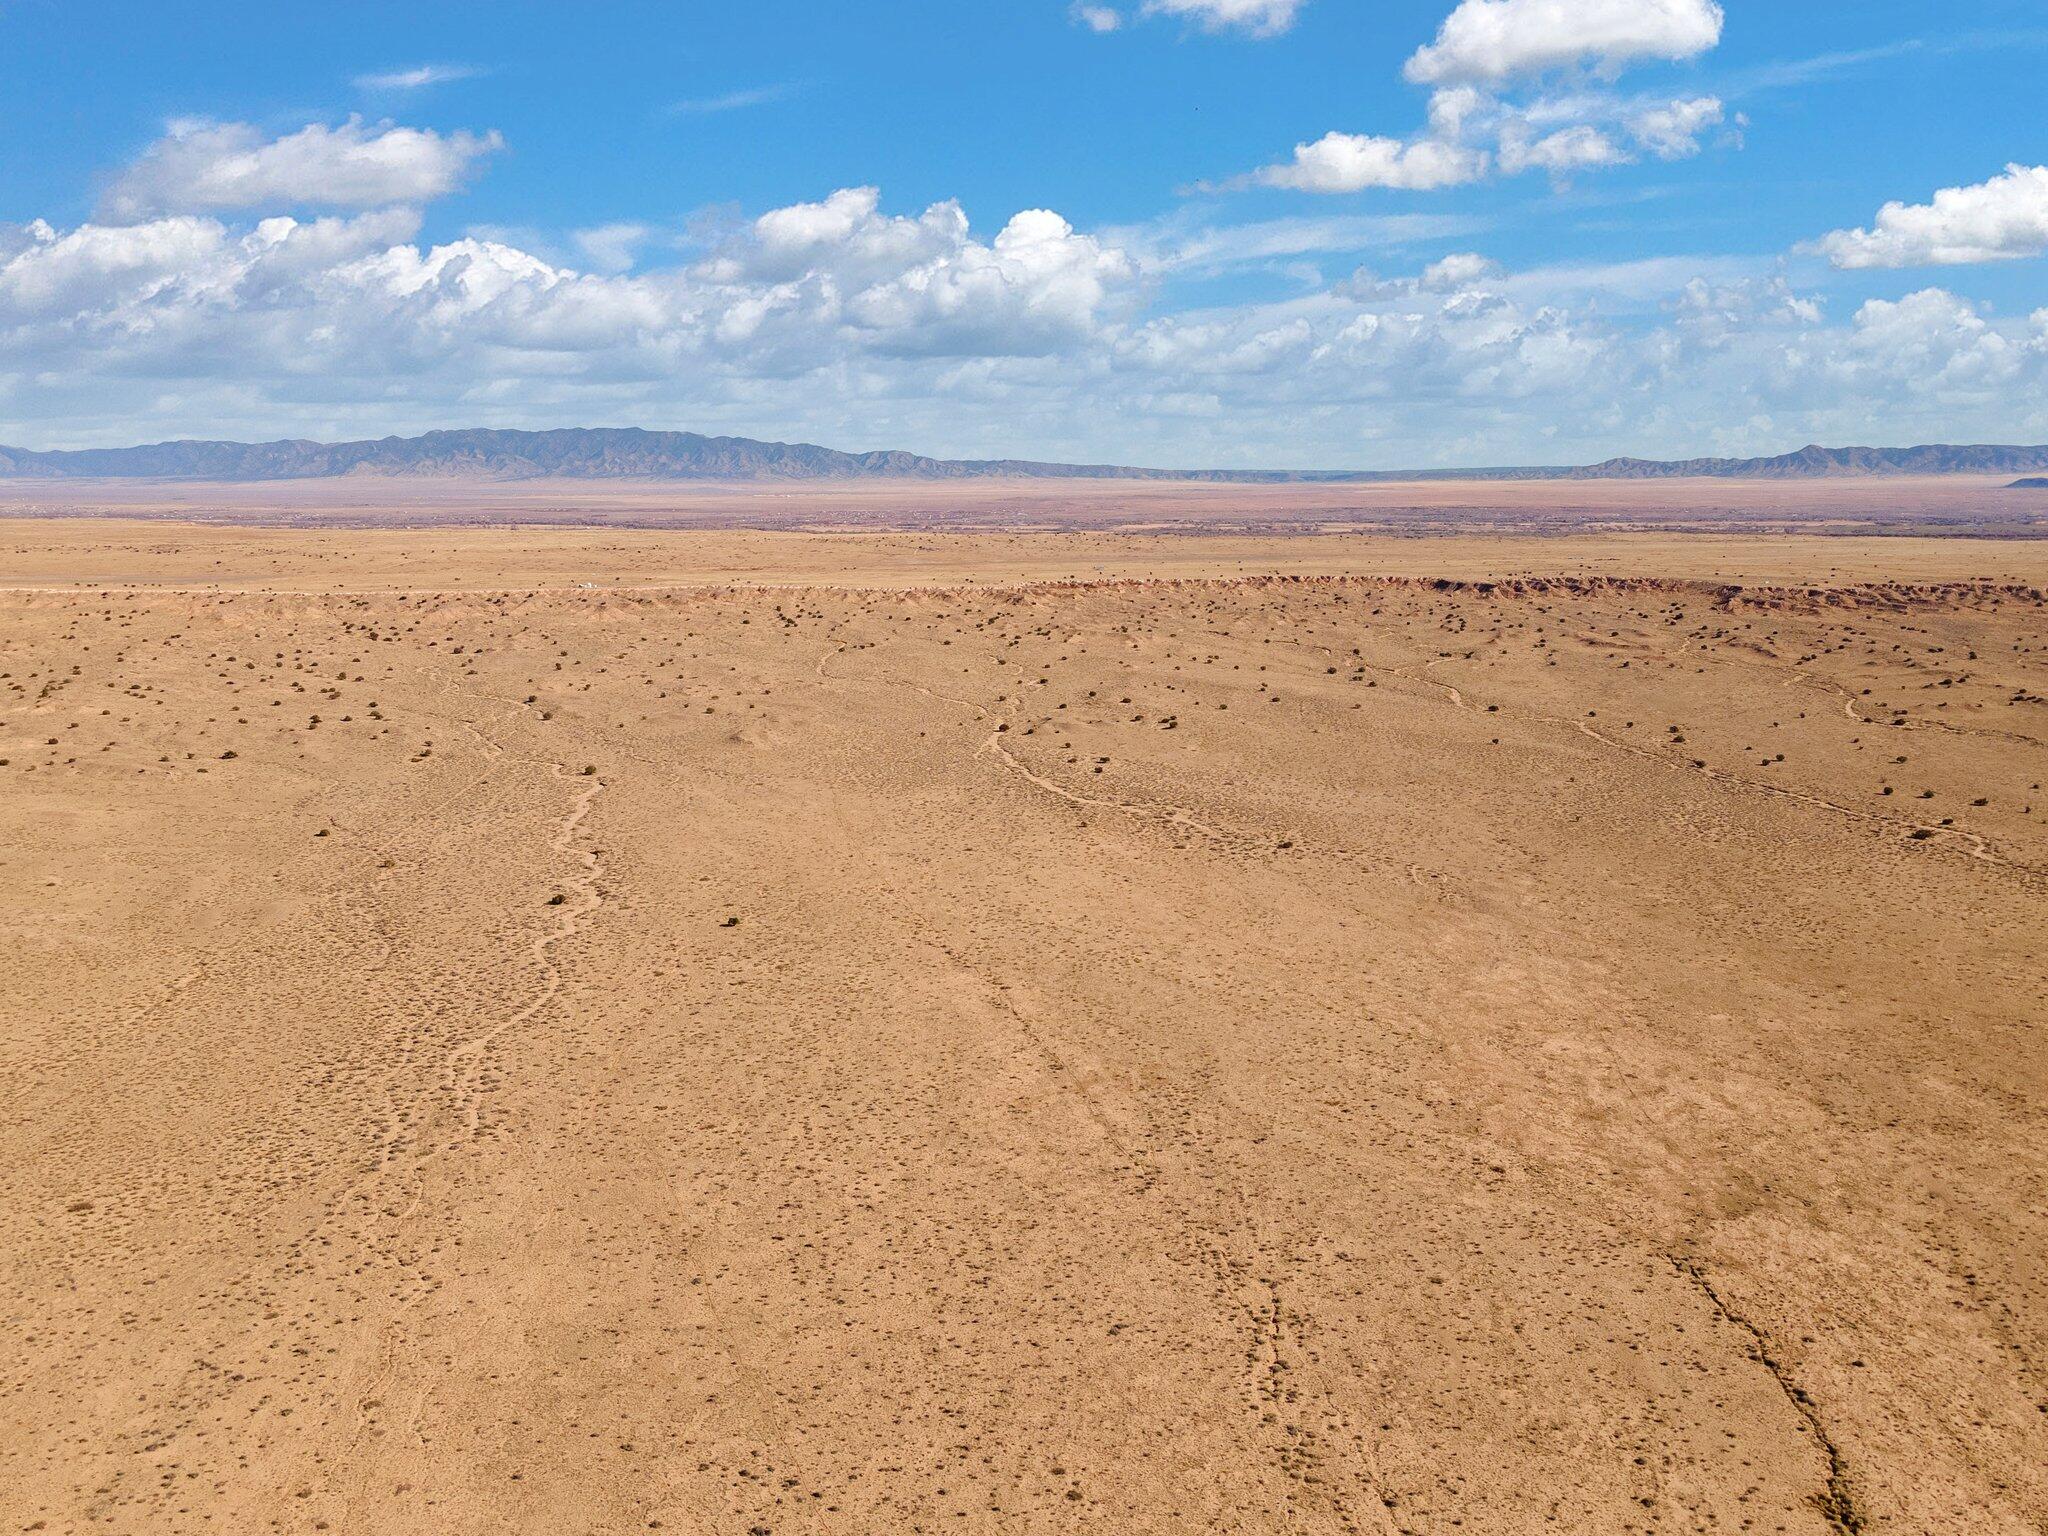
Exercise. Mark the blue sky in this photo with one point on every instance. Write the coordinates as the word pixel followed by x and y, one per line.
pixel 1264 232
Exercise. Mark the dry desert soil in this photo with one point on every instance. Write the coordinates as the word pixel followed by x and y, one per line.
pixel 589 1031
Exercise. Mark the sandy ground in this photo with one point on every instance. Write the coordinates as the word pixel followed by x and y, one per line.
pixel 1950 504
pixel 885 1053
pixel 67 553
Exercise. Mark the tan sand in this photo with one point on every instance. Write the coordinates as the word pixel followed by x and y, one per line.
pixel 890 1052
pixel 1948 504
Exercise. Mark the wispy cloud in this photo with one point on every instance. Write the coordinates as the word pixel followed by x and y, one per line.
pixel 417 77
pixel 1256 18
pixel 1991 39
pixel 1179 244
pixel 1647 280
pixel 1784 73
pixel 733 101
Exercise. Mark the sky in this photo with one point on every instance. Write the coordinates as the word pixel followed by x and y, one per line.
pixel 1330 234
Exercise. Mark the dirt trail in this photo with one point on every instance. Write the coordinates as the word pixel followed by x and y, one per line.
pixel 467 1062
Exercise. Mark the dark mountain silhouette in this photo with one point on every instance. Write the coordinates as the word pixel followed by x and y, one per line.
pixel 629 453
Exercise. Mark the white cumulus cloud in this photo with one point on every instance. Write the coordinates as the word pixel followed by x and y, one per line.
pixel 1495 106
pixel 1460 269
pixel 1492 41
pixel 207 167
pixel 1036 286
pixel 1578 148
pixel 1352 162
pixel 1941 338
pixel 1996 220
pixel 1671 131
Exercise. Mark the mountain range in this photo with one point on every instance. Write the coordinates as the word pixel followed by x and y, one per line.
pixel 630 453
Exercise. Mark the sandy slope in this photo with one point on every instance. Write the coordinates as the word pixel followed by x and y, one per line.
pixel 1316 1056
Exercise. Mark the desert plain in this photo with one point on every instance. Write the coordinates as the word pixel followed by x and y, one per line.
pixel 1127 1030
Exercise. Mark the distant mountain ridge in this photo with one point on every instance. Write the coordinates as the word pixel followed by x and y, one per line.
pixel 591 453
pixel 632 453
pixel 1813 462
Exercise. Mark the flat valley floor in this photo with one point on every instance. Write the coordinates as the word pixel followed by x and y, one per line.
pixel 556 1031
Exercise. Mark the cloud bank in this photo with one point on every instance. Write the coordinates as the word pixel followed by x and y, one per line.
pixel 841 320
